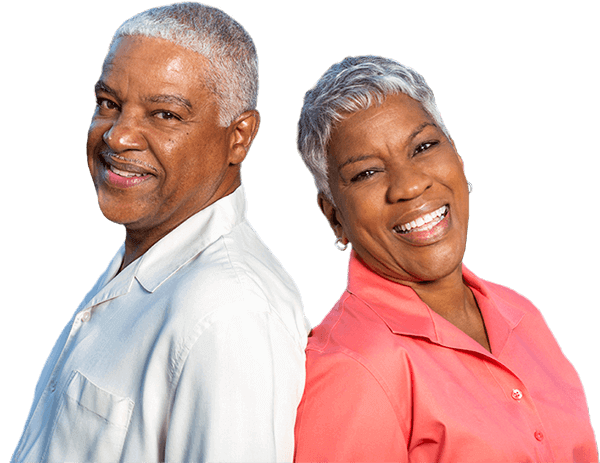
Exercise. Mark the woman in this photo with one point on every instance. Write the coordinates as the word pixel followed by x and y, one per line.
pixel 420 360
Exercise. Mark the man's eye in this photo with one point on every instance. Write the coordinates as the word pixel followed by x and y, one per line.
pixel 104 103
pixel 166 115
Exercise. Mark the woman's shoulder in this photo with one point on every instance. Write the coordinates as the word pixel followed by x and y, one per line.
pixel 509 297
pixel 354 330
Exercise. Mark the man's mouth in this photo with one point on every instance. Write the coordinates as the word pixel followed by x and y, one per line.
pixel 423 223
pixel 124 173
pixel 129 173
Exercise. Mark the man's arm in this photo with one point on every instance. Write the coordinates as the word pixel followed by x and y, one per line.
pixel 238 392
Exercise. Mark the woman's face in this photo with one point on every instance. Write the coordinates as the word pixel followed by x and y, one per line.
pixel 401 197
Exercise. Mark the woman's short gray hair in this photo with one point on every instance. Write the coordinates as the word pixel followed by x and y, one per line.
pixel 346 87
pixel 233 72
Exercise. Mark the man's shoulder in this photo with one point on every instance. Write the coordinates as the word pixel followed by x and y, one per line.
pixel 235 273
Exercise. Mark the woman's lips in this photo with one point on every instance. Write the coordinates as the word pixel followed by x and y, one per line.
pixel 426 229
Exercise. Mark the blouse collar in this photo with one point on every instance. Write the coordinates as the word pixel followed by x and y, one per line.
pixel 401 309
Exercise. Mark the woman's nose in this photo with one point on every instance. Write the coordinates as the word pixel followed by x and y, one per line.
pixel 125 133
pixel 407 182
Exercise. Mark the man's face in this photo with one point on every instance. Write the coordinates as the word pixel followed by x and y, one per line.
pixel 155 149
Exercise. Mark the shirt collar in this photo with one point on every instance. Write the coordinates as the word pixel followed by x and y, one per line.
pixel 171 252
pixel 189 239
pixel 401 309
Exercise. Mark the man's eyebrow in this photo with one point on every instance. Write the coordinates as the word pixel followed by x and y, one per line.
pixel 173 99
pixel 176 99
pixel 102 87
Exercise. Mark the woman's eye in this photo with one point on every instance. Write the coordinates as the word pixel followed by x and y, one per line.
pixel 363 175
pixel 425 146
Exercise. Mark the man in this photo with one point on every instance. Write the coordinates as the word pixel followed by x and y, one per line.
pixel 190 347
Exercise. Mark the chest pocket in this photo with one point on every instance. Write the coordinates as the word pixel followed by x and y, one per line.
pixel 91 424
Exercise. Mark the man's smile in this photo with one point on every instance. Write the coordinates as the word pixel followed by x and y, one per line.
pixel 122 172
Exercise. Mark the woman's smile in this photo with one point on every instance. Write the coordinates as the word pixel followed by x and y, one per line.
pixel 426 229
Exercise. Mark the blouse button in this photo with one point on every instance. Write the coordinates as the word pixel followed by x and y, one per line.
pixel 85 317
pixel 516 394
pixel 539 435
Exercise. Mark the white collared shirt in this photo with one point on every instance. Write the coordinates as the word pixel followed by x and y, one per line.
pixel 193 353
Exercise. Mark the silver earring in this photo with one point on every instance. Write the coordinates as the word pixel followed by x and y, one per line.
pixel 470 186
pixel 340 245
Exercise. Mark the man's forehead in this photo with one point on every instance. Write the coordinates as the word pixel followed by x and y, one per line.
pixel 161 64
pixel 132 47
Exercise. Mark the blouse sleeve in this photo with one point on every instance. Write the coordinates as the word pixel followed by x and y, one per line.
pixel 345 413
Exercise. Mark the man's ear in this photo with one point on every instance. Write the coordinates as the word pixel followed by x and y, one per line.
pixel 331 213
pixel 242 132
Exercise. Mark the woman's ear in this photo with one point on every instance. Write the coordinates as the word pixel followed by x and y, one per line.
pixel 332 215
pixel 242 132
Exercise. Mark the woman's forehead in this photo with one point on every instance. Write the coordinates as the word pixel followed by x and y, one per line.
pixel 398 119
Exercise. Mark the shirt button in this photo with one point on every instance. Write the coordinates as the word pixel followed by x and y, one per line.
pixel 85 317
pixel 516 394
pixel 539 435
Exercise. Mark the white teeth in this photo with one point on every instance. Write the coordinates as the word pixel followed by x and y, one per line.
pixel 426 222
pixel 124 173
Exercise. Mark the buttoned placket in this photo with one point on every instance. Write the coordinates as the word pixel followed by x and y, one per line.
pixel 111 290
pixel 75 328
pixel 516 392
pixel 79 319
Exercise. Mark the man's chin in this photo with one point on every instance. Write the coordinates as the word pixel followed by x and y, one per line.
pixel 126 216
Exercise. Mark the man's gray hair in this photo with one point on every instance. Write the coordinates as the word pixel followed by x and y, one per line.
pixel 346 87
pixel 233 72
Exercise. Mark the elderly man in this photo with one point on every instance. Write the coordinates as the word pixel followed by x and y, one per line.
pixel 190 347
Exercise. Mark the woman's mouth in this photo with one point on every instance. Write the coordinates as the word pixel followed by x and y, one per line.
pixel 423 223
pixel 426 229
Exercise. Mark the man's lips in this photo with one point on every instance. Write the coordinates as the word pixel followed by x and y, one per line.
pixel 127 165
pixel 123 172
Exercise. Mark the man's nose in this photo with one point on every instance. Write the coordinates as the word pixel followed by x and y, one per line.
pixel 125 133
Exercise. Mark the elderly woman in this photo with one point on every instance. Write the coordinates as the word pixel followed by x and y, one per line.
pixel 420 360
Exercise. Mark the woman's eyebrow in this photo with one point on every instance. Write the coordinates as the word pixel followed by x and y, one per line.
pixel 363 157
pixel 353 159
pixel 419 129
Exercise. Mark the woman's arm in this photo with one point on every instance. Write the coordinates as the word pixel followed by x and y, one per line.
pixel 345 413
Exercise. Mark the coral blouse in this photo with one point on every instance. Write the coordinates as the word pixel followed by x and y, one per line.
pixel 388 379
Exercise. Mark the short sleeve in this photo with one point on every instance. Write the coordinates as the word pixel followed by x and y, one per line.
pixel 238 393
pixel 345 413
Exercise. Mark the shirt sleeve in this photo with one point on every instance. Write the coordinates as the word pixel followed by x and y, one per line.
pixel 238 392
pixel 345 414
